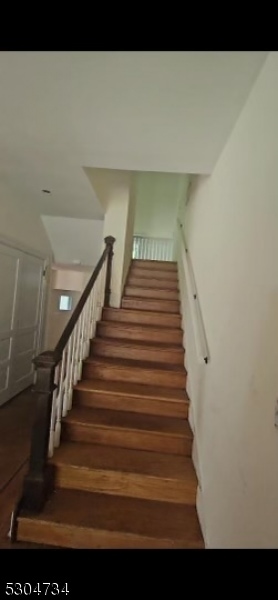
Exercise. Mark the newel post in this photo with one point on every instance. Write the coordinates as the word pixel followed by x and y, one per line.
pixel 38 479
pixel 109 241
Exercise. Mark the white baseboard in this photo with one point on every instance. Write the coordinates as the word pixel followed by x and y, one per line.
pixel 196 463
pixel 191 419
pixel 201 516
pixel 188 388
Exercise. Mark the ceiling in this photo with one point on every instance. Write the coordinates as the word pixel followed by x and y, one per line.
pixel 61 112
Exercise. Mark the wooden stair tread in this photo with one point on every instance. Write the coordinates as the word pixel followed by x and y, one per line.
pixel 155 304
pixel 124 363
pixel 143 299
pixel 154 282
pixel 128 420
pixel 148 263
pixel 159 346
pixel 151 293
pixel 154 464
pixel 147 518
pixel 138 271
pixel 140 315
pixel 135 326
pixel 149 288
pixel 134 390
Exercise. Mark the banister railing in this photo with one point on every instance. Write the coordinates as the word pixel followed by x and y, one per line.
pixel 193 298
pixel 57 372
pixel 152 248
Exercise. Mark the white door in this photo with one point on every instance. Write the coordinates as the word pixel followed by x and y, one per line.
pixel 9 268
pixel 21 276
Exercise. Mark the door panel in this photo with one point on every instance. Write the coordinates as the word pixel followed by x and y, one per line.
pixel 9 267
pixel 21 277
pixel 27 321
pixel 30 276
pixel 9 263
pixel 4 380
pixel 24 342
pixel 5 345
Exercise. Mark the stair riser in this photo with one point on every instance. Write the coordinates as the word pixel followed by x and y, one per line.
pixel 68 536
pixel 137 440
pixel 170 306
pixel 103 348
pixel 139 317
pixel 132 485
pixel 148 406
pixel 154 274
pixel 157 265
pixel 171 336
pixel 141 292
pixel 151 283
pixel 152 377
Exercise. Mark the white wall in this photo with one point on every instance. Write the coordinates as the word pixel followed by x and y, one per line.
pixel 20 222
pixel 231 227
pixel 157 199
pixel 75 239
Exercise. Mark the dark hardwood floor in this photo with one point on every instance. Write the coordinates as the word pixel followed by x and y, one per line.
pixel 16 420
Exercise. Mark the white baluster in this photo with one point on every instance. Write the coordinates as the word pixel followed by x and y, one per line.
pixel 103 285
pixel 68 390
pixel 60 394
pixel 80 345
pixel 99 307
pixel 86 348
pixel 76 354
pixel 90 310
pixel 104 282
pixel 53 413
pixel 163 247
pixel 84 330
pixel 72 365
pixel 93 313
pixel 157 250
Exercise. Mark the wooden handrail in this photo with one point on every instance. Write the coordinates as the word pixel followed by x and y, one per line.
pixel 38 481
pixel 107 252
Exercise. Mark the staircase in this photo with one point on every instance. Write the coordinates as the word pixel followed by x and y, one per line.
pixel 123 474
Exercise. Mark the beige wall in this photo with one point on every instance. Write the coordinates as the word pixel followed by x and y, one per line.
pixel 129 231
pixel 117 222
pixel 231 227
pixel 62 281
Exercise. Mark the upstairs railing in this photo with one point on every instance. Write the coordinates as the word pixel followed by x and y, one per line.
pixel 151 248
pixel 57 372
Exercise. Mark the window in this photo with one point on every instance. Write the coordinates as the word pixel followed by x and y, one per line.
pixel 65 302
